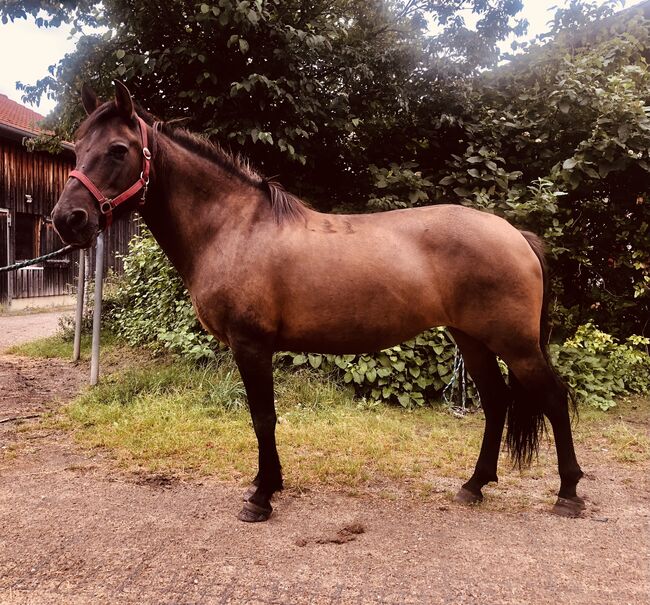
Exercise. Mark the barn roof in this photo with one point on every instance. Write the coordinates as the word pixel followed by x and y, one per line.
pixel 18 122
pixel 18 116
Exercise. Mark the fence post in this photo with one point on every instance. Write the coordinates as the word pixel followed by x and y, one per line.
pixel 97 310
pixel 78 317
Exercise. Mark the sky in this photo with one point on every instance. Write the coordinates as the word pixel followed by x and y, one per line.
pixel 28 51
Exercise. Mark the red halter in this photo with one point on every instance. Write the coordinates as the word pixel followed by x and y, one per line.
pixel 107 205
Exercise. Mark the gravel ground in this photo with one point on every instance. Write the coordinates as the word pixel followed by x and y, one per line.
pixel 17 329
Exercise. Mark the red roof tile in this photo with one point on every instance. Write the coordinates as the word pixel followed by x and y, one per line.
pixel 17 115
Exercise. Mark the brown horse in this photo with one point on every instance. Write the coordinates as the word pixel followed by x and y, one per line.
pixel 267 273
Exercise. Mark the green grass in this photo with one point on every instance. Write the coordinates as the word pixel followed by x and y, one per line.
pixel 58 347
pixel 179 419
pixel 168 416
pixel 622 432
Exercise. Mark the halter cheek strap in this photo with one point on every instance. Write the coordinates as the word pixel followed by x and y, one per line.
pixel 107 205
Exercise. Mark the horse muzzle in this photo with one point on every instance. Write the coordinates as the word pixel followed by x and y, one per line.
pixel 75 227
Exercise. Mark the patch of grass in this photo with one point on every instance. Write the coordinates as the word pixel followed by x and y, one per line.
pixel 628 444
pixel 623 433
pixel 60 347
pixel 168 416
pixel 177 418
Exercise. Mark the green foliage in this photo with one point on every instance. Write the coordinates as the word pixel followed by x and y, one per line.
pixel 599 369
pixel 558 143
pixel 288 83
pixel 401 186
pixel 151 306
pixel 411 374
pixel 595 365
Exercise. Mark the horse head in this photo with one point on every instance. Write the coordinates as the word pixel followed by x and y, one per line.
pixel 112 167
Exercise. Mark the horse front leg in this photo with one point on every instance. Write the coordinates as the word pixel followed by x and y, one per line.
pixel 255 366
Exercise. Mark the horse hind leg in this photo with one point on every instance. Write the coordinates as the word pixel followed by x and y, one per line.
pixel 495 395
pixel 539 392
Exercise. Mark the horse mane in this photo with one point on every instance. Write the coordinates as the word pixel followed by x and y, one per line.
pixel 284 205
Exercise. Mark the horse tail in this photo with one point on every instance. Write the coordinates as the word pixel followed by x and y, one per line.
pixel 525 426
pixel 525 415
pixel 537 246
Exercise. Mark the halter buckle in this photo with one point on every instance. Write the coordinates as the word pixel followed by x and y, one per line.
pixel 145 187
pixel 106 207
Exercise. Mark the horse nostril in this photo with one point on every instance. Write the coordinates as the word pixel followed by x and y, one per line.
pixel 77 219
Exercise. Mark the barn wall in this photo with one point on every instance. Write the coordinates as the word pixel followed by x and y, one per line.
pixel 39 174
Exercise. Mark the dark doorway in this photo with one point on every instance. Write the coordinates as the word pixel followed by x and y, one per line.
pixel 28 235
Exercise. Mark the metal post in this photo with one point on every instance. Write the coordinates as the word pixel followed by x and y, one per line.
pixel 97 311
pixel 78 317
pixel 87 277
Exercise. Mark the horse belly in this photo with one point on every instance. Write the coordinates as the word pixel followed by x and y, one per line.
pixel 364 318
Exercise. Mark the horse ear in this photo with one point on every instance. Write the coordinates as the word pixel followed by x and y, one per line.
pixel 88 98
pixel 123 100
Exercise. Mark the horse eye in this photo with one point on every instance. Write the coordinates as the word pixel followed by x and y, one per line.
pixel 118 150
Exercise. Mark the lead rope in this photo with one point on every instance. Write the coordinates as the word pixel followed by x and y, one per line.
pixel 33 261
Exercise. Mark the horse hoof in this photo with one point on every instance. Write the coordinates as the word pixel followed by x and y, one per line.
pixel 252 513
pixel 248 494
pixel 569 507
pixel 465 496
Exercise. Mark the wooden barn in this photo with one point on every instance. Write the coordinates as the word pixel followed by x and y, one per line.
pixel 30 184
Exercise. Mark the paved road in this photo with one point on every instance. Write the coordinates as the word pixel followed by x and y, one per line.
pixel 17 329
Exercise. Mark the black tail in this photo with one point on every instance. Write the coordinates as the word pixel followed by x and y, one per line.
pixel 525 424
pixel 525 416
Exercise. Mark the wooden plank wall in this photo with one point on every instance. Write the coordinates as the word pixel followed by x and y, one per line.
pixel 51 278
pixel 39 174
pixel 4 258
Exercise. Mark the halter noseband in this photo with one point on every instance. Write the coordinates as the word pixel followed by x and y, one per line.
pixel 107 205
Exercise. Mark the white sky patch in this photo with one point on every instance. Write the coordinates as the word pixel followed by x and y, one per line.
pixel 27 50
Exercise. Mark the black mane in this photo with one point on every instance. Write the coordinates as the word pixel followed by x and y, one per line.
pixel 285 206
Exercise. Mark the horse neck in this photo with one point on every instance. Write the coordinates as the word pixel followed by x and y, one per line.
pixel 192 201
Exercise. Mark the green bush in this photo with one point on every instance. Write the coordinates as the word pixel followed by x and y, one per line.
pixel 411 374
pixel 599 369
pixel 594 364
pixel 151 307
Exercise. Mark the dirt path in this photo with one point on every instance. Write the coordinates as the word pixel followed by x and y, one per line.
pixel 17 329
pixel 74 529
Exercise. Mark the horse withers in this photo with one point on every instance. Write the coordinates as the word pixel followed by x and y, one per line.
pixel 266 273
